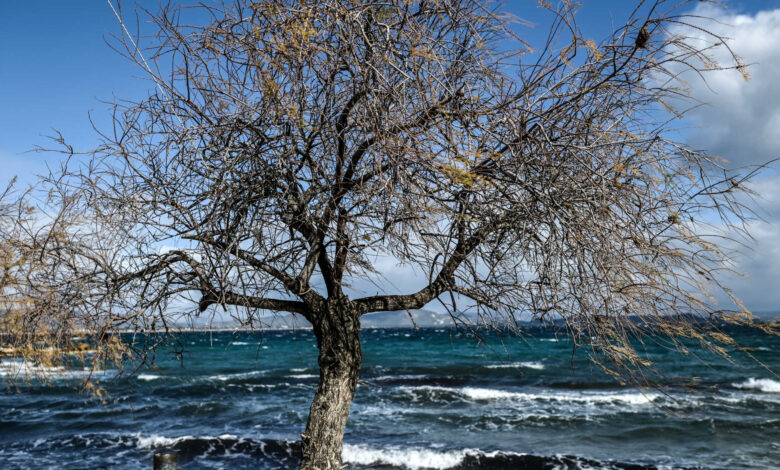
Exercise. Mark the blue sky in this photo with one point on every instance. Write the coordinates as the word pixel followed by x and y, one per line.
pixel 55 68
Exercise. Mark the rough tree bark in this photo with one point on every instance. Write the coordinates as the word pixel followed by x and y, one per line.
pixel 338 337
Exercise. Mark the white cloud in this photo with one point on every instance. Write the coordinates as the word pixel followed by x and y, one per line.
pixel 741 123
pixel 759 288
pixel 741 120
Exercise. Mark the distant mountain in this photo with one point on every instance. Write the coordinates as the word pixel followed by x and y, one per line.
pixel 767 314
pixel 401 319
pixel 394 319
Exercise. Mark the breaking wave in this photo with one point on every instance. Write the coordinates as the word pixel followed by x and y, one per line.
pixel 516 365
pixel 148 377
pixel 19 369
pixel 763 385
pixel 355 456
pixel 489 394
pixel 469 459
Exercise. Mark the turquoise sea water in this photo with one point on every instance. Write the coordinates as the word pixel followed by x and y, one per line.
pixel 431 398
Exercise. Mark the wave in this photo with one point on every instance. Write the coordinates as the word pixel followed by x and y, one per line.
pixel 627 399
pixel 763 385
pixel 516 365
pixel 469 459
pixel 17 369
pixel 239 375
pixel 287 453
pixel 189 447
pixel 399 378
pixel 23 369
pixel 489 394
pixel 303 376
pixel 147 377
pixel 403 457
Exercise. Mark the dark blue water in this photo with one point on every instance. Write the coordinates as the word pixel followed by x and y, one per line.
pixel 427 399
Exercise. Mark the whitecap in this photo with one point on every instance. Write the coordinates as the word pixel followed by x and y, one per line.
pixel 764 385
pixel 386 378
pixel 516 365
pixel 302 376
pixel 635 398
pixel 155 441
pixel 239 343
pixel 21 369
pixel 489 394
pixel 148 377
pixel 411 458
pixel 240 375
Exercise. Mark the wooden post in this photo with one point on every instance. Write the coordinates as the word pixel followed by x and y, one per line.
pixel 166 461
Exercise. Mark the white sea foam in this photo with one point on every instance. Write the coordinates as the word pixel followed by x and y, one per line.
pixel 239 343
pixel 150 442
pixel 155 441
pixel 297 369
pixel 302 376
pixel 385 378
pixel 516 365
pixel 408 458
pixel 240 375
pixel 764 385
pixel 20 369
pixel 148 377
pixel 489 394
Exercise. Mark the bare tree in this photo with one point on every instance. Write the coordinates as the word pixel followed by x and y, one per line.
pixel 290 143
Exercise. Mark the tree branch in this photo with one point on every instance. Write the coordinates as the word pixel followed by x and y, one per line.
pixel 442 283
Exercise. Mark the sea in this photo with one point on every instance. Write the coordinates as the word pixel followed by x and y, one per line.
pixel 432 398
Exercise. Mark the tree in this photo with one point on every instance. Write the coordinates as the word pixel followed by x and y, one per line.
pixel 290 143
pixel 37 324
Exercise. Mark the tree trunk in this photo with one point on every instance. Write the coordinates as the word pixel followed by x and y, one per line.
pixel 338 337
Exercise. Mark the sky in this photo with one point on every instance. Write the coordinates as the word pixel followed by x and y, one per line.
pixel 57 71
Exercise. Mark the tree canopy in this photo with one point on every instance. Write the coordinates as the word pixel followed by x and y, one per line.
pixel 289 144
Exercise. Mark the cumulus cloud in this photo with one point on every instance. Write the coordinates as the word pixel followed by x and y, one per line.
pixel 758 288
pixel 740 120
